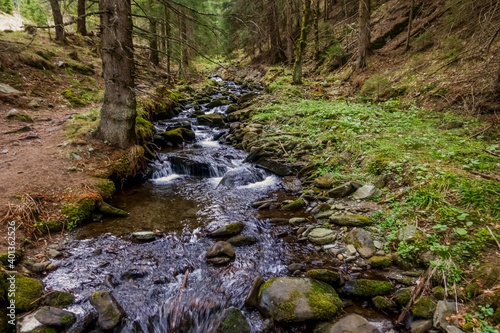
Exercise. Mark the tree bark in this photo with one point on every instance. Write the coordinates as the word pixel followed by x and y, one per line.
pixel 118 112
pixel 184 49
pixel 302 44
pixel 168 43
pixel 81 23
pixel 289 32
pixel 153 43
pixel 277 53
pixel 364 33
pixel 316 31
pixel 58 20
pixel 410 23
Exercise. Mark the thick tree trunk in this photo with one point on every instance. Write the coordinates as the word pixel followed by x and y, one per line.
pixel 81 23
pixel 302 44
pixel 364 33
pixel 289 32
pixel 183 31
pixel 277 53
pixel 58 20
pixel 153 43
pixel 118 112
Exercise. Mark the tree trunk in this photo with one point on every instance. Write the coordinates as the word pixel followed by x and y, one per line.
pixel 168 42
pixel 289 32
pixel 277 53
pixel 364 33
pixel 183 31
pixel 153 43
pixel 316 31
pixel 58 20
pixel 81 23
pixel 302 44
pixel 118 112
pixel 410 23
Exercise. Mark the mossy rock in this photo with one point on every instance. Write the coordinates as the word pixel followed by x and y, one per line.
pixel 234 322
pixel 294 205
pixel 377 87
pixel 80 211
pixel 144 130
pixel 44 329
pixel 50 226
pixel 372 288
pixel 424 307
pixel 80 68
pixel 214 119
pixel 59 299
pixel 72 98
pixel 35 61
pixel 324 182
pixel 439 293
pixel 45 54
pixel 178 136
pixel 105 187
pixel 403 296
pixel 4 258
pixel 27 291
pixel 351 220
pixel 380 262
pixel 324 275
pixel 19 115
pixel 383 303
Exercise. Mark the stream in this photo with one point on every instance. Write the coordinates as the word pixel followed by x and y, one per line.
pixel 183 199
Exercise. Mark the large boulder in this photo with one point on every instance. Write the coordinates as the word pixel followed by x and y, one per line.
pixel 288 299
pixel 351 323
pixel 109 311
pixel 28 292
pixel 362 241
pixel 230 229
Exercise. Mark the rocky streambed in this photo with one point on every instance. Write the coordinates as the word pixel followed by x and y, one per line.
pixel 222 240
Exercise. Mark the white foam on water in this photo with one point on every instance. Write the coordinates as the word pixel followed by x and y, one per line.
pixel 215 181
pixel 268 182
pixel 166 179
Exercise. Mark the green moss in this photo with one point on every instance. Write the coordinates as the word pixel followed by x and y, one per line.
pixel 105 187
pixel 44 329
pixel 4 325
pixel 266 285
pixel 79 211
pixel 380 261
pixel 45 54
pixel 402 296
pixel 67 319
pixel 80 68
pixel 377 87
pixel 4 257
pixel 287 308
pixel 295 205
pixel 59 299
pixel 468 327
pixel 383 303
pixel 27 291
pixel 324 275
pixel 214 119
pixel 323 300
pixel 50 226
pixel 424 307
pixel 21 116
pixel 72 98
pixel 144 129
pixel 372 288
pixel 234 321
pixel 128 165
pixel 35 61
pixel 438 293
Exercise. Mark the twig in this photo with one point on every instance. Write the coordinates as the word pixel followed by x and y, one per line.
pixel 39 298
pixel 485 176
pixel 490 152
pixel 176 312
pixel 481 131
pixel 492 235
pixel 286 153
pixel 406 309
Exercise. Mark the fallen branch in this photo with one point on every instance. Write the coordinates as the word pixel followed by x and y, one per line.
pixel 490 152
pixel 176 312
pixel 286 153
pixel 492 235
pixel 481 131
pixel 406 309
pixel 485 176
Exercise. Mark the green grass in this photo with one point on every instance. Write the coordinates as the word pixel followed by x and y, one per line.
pixel 433 164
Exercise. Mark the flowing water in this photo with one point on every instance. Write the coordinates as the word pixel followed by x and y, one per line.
pixel 182 200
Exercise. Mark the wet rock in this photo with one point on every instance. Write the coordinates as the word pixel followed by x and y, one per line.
pixel 350 323
pixel 217 102
pixel 296 267
pixel 380 262
pixel 108 210
pixel 421 326
pixel 54 253
pixel 144 235
pixel 294 205
pixel 402 296
pixel 324 214
pixel 324 275
pixel 350 220
pixel 84 324
pixel 424 307
pixel 362 241
pixel 292 184
pixel 343 190
pixel 241 240
pixel 258 204
pixel 132 274
pixel 246 98
pixel 55 317
pixel 444 309
pixel 297 220
pixel 324 182
pixel 228 230
pixel 368 288
pixel 175 137
pixel 242 176
pixel 366 192
pixel 28 292
pixel 276 167
pixel 186 166
pixel 350 250
pixel 28 324
pixel 234 322
pixel 287 299
pixel 253 295
pixel 109 311
pixel 320 236
pixel 279 221
pixel 214 119
pixel 232 108
pixel 220 253
pixel 383 303
pixel 409 233
pixel 36 268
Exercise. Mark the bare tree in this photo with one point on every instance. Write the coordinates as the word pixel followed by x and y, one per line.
pixel 58 20
pixel 364 33
pixel 302 43
pixel 81 26
pixel 118 111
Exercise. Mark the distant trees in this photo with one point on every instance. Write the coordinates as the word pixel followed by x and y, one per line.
pixel 364 47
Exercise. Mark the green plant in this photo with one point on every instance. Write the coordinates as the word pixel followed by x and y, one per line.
pixel 480 319
pixel 377 87
pixel 423 41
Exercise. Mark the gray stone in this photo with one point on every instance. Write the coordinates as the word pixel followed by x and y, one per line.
pixel 453 329
pixel 421 326
pixel 409 233
pixel 350 220
pixel 221 249
pixel 362 241
pixel 320 236
pixel 253 295
pixel 51 316
pixel 342 190
pixel 366 192
pixel 350 250
pixel 324 215
pixel 444 309
pixel 297 220
pixel 28 324
pixel 292 184
pixel 109 311
pixel 144 235
pixel 54 253
pixel 6 89
pixel 241 240
pixel 296 267
pixel 287 299
pixel 229 230
pixel 350 323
